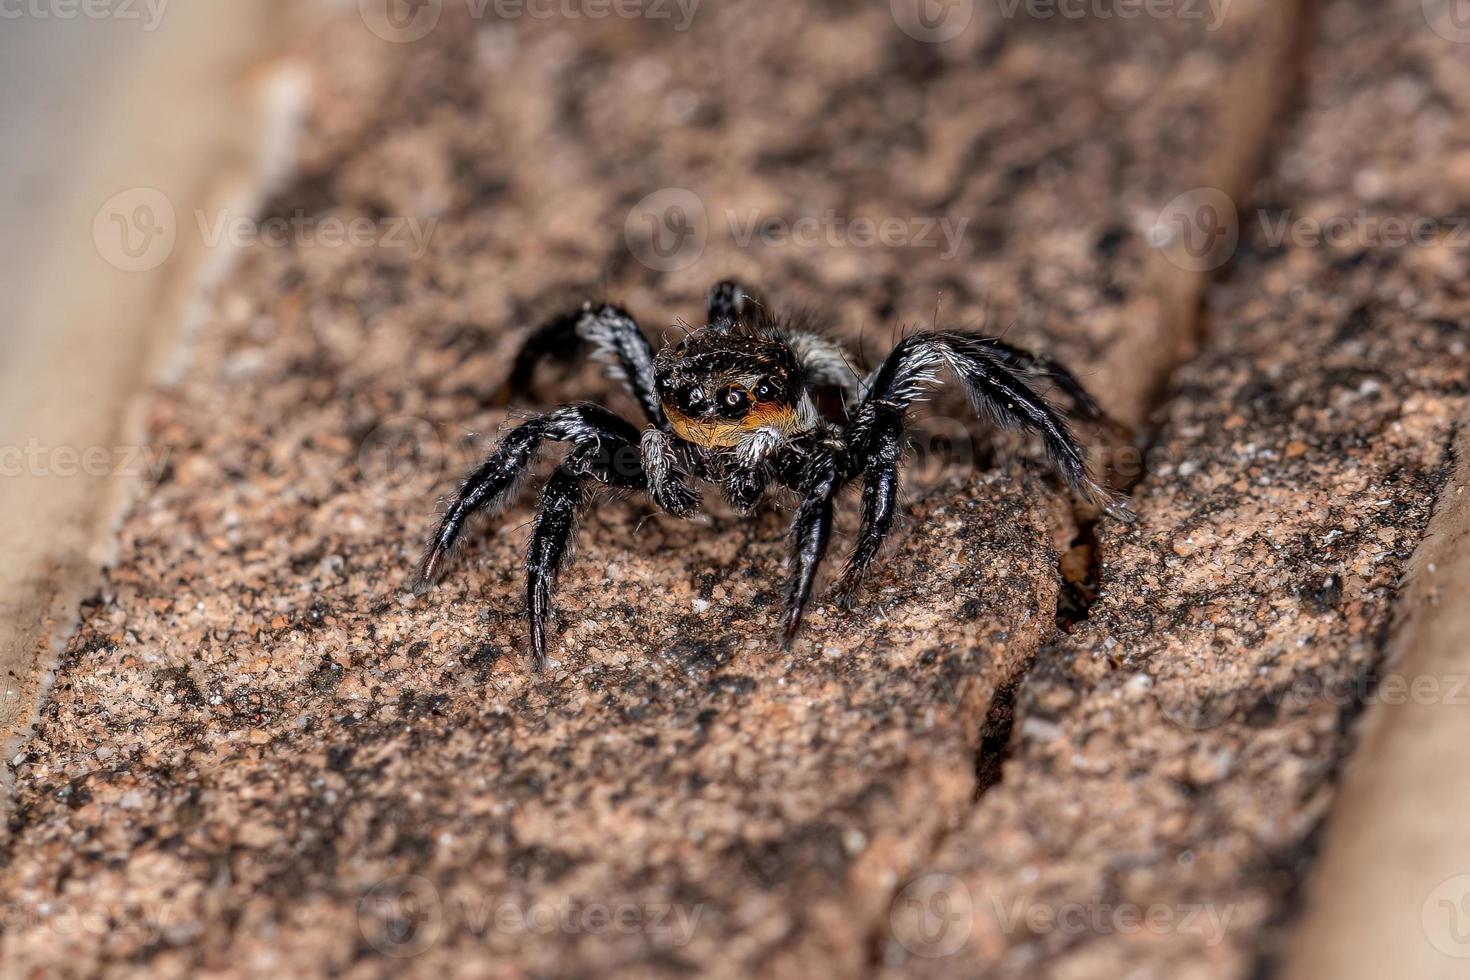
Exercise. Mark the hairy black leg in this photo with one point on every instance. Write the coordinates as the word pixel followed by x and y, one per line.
pixel 745 486
pixel 995 389
pixel 824 363
pixel 749 474
pixel 606 444
pixel 615 340
pixel 879 457
pixel 817 471
pixel 562 501
pixel 1084 405
pixel 666 485
pixel 729 303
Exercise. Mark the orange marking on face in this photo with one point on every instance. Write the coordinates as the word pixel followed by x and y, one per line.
pixel 724 434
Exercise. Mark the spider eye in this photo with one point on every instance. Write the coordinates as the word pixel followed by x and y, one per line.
pixel 765 391
pixel 733 402
pixel 693 400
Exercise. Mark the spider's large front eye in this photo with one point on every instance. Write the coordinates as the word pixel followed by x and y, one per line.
pixel 766 391
pixel 733 402
pixel 692 401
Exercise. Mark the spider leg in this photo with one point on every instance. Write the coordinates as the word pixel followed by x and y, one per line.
pixel 995 389
pixel 879 458
pixel 729 302
pixel 601 437
pixel 666 485
pixel 615 340
pixel 824 363
pixel 818 471
pixel 563 500
pixel 1084 405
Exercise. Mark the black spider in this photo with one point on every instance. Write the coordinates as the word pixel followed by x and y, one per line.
pixel 732 405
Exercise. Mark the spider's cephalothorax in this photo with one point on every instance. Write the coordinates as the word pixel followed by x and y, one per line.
pixel 732 405
pixel 718 387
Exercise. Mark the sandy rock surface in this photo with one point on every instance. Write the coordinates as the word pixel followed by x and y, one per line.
pixel 261 756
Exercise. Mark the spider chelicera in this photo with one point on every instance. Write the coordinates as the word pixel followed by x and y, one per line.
pixel 733 405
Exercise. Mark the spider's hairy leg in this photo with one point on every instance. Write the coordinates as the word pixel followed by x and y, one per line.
pixel 995 389
pixel 824 363
pixel 818 476
pixel 879 457
pixel 563 499
pixel 493 484
pixel 666 485
pixel 1039 365
pixel 729 302
pixel 615 340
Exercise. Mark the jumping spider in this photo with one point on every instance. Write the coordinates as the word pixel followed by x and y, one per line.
pixel 732 405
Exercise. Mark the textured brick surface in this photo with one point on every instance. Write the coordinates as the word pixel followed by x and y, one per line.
pixel 256 735
pixel 1178 753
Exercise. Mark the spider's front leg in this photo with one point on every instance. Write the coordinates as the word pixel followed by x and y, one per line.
pixel 878 455
pixel 563 500
pixel 605 450
pixel 729 303
pixel 817 467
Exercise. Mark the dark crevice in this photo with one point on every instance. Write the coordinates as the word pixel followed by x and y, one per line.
pixel 1079 567
pixel 995 734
